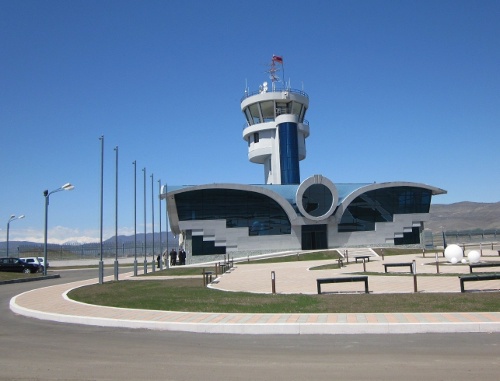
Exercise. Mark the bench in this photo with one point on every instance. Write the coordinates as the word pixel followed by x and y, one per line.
pixel 401 264
pixel 225 266
pixel 362 257
pixel 360 278
pixel 486 264
pixel 208 277
pixel 476 277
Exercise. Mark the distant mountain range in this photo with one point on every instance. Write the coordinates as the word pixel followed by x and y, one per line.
pixel 443 217
pixel 464 216
pixel 110 241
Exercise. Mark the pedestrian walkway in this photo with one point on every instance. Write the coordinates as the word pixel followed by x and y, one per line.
pixel 51 303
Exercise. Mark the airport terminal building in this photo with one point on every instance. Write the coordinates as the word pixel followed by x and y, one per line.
pixel 287 213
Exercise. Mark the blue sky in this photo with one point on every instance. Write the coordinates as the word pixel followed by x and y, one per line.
pixel 399 91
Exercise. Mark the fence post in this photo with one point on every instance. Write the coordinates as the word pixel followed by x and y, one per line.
pixel 273 282
pixel 414 276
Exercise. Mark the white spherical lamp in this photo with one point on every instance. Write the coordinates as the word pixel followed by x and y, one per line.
pixel 453 253
pixel 473 256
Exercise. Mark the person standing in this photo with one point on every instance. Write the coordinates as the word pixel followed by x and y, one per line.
pixel 182 256
pixel 173 257
pixel 165 257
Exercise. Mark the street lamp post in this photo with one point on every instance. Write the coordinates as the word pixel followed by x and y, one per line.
pixel 153 220
pixel 12 218
pixel 135 218
pixel 166 227
pixel 101 263
pixel 116 216
pixel 145 239
pixel 159 216
pixel 46 194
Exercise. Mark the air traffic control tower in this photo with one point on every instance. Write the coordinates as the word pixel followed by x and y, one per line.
pixel 276 128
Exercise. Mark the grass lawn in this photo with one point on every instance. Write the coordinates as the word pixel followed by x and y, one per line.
pixel 4 275
pixel 190 295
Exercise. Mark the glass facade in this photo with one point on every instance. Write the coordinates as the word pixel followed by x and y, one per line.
pixel 314 237
pixel 257 212
pixel 317 200
pixel 289 153
pixel 268 110
pixel 380 205
pixel 409 238
pixel 201 247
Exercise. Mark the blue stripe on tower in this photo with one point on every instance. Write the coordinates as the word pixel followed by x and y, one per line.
pixel 289 153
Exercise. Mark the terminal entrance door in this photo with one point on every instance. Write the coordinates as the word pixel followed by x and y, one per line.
pixel 314 237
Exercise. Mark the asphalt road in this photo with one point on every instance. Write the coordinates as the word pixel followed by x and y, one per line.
pixel 33 349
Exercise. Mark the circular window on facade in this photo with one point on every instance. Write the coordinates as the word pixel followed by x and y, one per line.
pixel 317 200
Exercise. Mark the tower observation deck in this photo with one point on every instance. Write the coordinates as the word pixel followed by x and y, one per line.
pixel 276 129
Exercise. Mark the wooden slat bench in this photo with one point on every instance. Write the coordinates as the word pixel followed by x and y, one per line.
pixel 359 278
pixel 485 264
pixel 476 277
pixel 401 264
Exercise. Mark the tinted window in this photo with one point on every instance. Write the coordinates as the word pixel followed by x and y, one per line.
pixel 257 212
pixel 317 200
pixel 380 205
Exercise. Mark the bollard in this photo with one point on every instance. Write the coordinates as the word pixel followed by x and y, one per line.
pixel 364 266
pixel 382 254
pixel 437 264
pixel 347 255
pixel 423 253
pixel 273 282
pixel 414 276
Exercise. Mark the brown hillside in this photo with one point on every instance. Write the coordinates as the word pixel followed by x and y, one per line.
pixel 464 216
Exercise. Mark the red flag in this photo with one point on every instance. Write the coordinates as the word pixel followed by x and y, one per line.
pixel 278 59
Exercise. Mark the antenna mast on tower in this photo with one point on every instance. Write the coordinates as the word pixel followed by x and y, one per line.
pixel 273 69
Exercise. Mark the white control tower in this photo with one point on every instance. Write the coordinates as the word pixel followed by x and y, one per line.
pixel 276 130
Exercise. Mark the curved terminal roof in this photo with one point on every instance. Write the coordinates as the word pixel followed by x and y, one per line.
pixel 346 191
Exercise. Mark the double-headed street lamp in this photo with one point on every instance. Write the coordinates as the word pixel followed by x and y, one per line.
pixel 46 194
pixel 12 218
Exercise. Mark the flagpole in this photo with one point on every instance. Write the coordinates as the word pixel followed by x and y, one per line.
pixel 279 59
